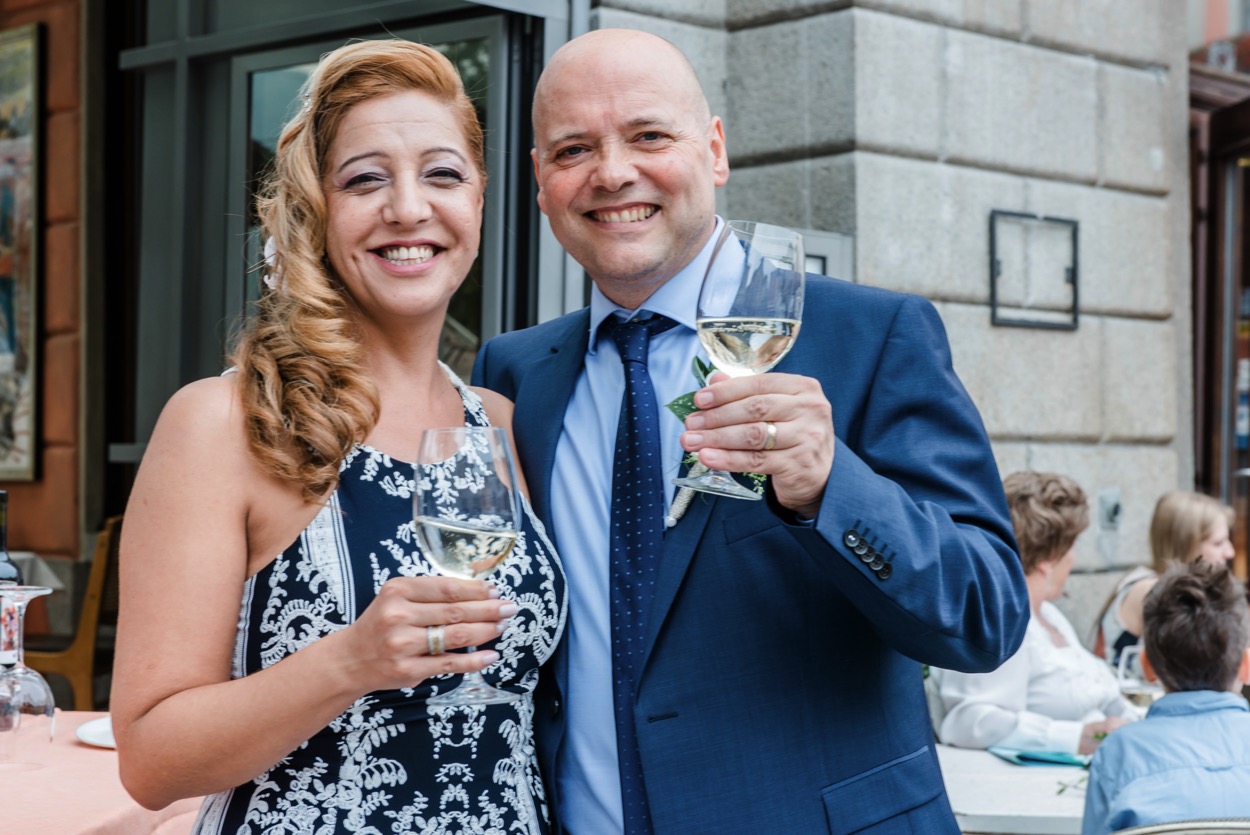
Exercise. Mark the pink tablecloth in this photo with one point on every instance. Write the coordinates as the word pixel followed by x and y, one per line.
pixel 78 792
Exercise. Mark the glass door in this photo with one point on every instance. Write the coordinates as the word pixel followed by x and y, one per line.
pixel 266 88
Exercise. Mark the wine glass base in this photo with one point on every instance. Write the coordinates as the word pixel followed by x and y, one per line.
pixel 472 694
pixel 719 484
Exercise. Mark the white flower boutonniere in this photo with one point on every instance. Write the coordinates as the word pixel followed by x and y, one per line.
pixel 682 407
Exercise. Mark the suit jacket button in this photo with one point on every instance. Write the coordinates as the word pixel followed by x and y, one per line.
pixel 876 563
pixel 867 556
pixel 885 571
pixel 851 538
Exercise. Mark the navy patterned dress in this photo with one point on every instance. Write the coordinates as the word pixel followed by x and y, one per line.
pixel 387 766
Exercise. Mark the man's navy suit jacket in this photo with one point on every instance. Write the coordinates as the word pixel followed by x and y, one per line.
pixel 782 689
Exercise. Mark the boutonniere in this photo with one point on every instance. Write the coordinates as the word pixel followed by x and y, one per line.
pixel 682 407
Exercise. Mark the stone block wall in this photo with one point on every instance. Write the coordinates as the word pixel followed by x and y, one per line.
pixel 903 123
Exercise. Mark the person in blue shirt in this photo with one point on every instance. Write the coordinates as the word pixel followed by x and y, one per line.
pixel 1190 757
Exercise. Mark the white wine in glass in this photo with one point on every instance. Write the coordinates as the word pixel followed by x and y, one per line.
pixel 467 515
pixel 459 550
pixel 741 346
pixel 749 314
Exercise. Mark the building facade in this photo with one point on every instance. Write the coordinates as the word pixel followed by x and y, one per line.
pixel 1022 163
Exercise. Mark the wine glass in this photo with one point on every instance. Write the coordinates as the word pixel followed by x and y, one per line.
pixel 749 315
pixel 26 703
pixel 467 516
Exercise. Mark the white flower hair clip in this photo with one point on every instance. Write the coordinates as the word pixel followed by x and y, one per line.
pixel 272 278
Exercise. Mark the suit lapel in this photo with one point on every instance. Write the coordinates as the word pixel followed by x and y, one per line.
pixel 540 406
pixel 548 386
pixel 680 543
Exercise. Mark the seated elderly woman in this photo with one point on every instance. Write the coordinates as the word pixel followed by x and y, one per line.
pixel 1053 694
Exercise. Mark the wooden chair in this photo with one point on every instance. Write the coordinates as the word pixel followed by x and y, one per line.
pixel 76 661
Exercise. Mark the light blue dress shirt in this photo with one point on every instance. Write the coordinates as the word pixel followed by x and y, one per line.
pixel 589 780
pixel 1189 758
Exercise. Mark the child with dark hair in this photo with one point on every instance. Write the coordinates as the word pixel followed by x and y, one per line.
pixel 1190 757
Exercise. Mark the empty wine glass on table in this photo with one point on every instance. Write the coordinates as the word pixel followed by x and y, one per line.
pixel 27 709
pixel 467 515
pixel 749 315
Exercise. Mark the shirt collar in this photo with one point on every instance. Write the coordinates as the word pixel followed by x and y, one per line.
pixel 677 298
pixel 1184 702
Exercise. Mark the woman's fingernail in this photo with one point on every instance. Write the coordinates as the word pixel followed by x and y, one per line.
pixel 490 657
pixel 501 626
pixel 507 610
pixel 492 592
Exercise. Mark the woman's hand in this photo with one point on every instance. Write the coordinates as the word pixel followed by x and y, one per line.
pixel 1095 732
pixel 388 647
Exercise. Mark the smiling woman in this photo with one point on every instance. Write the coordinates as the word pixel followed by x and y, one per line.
pixel 307 700
pixel 404 199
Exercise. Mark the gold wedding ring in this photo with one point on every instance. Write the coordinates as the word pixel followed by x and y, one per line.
pixel 771 440
pixel 434 639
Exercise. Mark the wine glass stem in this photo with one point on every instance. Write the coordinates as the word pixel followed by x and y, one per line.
pixel 475 677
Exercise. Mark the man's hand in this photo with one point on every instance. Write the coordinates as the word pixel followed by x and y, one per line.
pixel 731 432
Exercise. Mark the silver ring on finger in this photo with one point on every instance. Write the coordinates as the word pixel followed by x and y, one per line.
pixel 771 440
pixel 434 639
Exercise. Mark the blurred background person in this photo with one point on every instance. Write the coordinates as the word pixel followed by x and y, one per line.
pixel 1190 757
pixel 1185 527
pixel 1053 694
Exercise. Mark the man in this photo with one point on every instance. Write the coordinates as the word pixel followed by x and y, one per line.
pixel 756 667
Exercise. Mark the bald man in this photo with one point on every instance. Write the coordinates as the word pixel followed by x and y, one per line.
pixel 756 667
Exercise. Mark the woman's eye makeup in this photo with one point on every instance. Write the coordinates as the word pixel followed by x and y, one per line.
pixel 446 169
pixel 362 179
pixel 442 171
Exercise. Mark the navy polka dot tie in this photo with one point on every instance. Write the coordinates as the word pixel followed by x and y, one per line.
pixel 637 535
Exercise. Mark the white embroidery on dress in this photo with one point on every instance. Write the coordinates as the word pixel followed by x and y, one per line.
pixel 325 547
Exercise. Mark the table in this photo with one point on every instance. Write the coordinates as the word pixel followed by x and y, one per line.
pixel 990 795
pixel 78 792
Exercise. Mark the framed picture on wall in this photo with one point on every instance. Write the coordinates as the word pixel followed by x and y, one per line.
pixel 20 109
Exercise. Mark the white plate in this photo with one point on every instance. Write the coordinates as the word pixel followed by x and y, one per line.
pixel 97 732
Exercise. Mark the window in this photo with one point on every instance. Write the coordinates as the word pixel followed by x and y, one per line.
pixel 214 81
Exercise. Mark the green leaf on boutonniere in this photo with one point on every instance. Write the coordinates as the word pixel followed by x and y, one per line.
pixel 702 371
pixel 683 406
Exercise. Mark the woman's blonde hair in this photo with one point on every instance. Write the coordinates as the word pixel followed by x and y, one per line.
pixel 1181 521
pixel 306 399
pixel 1048 513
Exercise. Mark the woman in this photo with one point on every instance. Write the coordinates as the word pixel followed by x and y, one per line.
pixel 1053 694
pixel 1185 527
pixel 280 485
